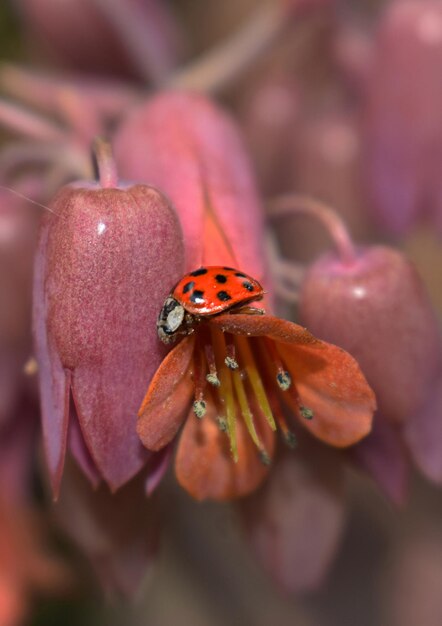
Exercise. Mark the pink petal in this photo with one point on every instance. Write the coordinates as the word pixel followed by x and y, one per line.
pixel 157 466
pixel 112 254
pixel 118 533
pixel 79 451
pixel 423 435
pixel 53 379
pixel 167 400
pixel 190 136
pixel 383 456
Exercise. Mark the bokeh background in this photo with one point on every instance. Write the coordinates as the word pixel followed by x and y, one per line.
pixel 344 105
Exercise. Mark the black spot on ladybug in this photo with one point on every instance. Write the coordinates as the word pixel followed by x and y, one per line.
pixel 223 296
pixel 248 285
pixel 200 272
pixel 197 297
pixel 229 269
pixel 220 278
pixel 188 286
pixel 241 275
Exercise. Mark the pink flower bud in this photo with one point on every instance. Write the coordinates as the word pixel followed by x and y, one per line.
pixel 105 263
pixel 191 150
pixel 404 115
pixel 376 308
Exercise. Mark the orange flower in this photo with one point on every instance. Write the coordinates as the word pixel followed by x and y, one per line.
pixel 231 382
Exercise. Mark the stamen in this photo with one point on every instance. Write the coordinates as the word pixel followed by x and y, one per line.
pixel 284 380
pixel 212 376
pixel 306 413
pixel 247 413
pixel 247 359
pixel 222 424
pixel 230 359
pixel 199 408
pixel 226 390
pixel 283 377
pixel 293 393
pixel 265 459
pixel 264 347
pixel 199 369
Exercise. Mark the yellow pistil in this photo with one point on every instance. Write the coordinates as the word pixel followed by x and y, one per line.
pixel 248 362
pixel 225 390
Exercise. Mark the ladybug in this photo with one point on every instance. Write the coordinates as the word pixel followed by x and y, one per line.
pixel 205 292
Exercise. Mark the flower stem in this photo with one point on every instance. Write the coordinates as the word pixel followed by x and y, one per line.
pixel 107 171
pixel 141 32
pixel 292 204
pixel 220 66
pixel 29 124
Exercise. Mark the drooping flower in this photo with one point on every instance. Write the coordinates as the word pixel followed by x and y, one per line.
pixel 403 117
pixel 214 193
pixel 191 149
pixel 376 308
pixel 130 38
pixel 371 301
pixel 243 371
pixel 107 252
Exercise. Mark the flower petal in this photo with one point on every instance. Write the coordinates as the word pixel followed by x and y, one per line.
pixel 423 435
pixel 265 325
pixel 117 532
pixel 212 185
pixel 295 521
pixel 111 253
pixel 328 379
pixel 54 380
pixel 204 466
pixel 167 400
pixel 79 451
pixel 383 456
pixel 331 384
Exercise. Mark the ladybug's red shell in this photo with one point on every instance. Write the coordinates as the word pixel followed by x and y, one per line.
pixel 214 289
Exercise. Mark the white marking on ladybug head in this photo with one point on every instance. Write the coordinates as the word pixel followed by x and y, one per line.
pixel 170 320
pixel 175 318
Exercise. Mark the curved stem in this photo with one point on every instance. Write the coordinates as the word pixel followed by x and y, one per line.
pixel 143 33
pixel 107 171
pixel 22 121
pixel 292 204
pixel 230 59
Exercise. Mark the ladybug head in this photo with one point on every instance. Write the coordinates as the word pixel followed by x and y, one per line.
pixel 171 320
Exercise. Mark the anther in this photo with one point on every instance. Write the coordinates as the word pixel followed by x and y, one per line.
pixel 231 363
pixel 199 408
pixel 222 424
pixel 284 380
pixel 264 457
pixel 290 439
pixel 213 379
pixel 306 413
